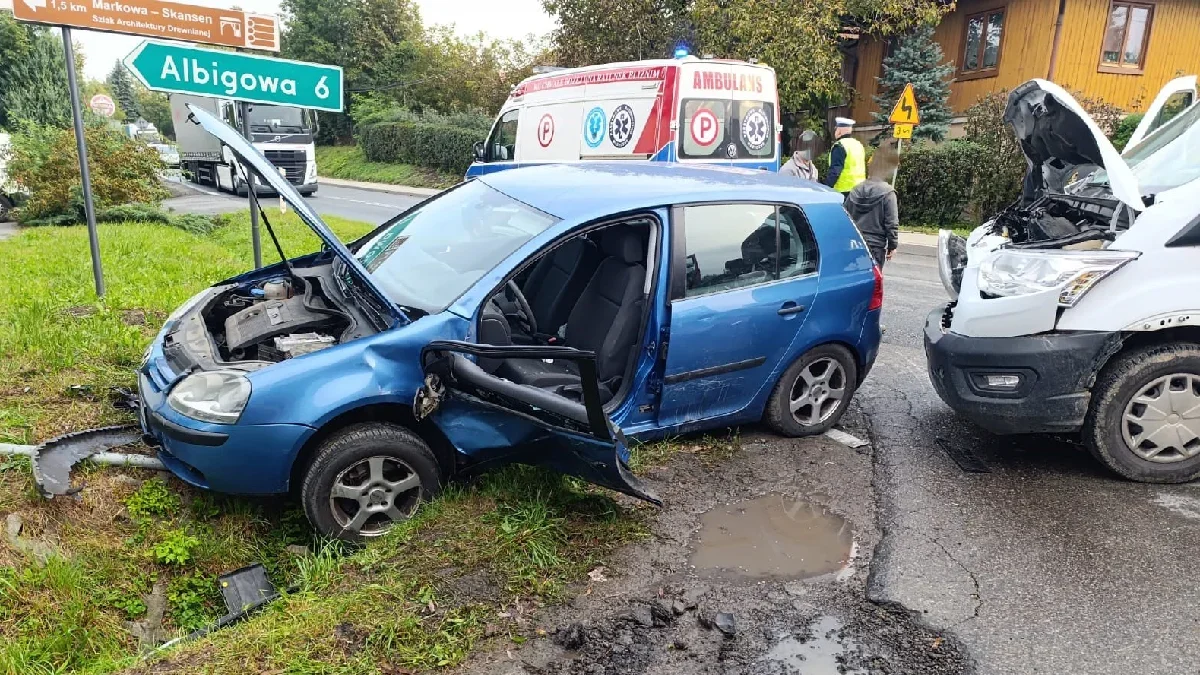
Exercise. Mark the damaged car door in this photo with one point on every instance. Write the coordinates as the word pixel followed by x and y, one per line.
pixel 498 421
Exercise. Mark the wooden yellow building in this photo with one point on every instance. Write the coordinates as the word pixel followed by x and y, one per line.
pixel 1122 52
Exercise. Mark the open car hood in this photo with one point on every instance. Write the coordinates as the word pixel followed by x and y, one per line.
pixel 1062 143
pixel 249 156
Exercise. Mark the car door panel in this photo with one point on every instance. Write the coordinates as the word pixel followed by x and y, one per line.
pixel 499 421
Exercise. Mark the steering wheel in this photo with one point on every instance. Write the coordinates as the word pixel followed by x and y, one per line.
pixel 513 293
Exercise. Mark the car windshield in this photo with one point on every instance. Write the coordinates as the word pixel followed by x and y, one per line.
pixel 1159 171
pixel 276 117
pixel 433 254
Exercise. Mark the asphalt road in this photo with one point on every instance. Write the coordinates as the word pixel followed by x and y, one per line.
pixel 1027 549
pixel 365 205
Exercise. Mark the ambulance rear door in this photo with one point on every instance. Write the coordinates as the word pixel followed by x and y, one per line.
pixel 728 114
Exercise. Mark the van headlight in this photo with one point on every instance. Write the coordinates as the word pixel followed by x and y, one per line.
pixel 1020 272
pixel 216 396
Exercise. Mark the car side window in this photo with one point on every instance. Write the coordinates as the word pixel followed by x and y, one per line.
pixel 798 253
pixel 728 246
pixel 502 147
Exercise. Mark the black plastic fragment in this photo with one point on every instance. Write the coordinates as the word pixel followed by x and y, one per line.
pixel 54 459
pixel 245 588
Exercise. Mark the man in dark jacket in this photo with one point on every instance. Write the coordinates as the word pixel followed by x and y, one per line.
pixel 872 205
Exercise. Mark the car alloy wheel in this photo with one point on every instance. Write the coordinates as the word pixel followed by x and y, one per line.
pixel 818 391
pixel 370 495
pixel 1161 423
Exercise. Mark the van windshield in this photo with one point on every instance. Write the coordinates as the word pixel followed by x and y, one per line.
pixel 433 254
pixel 1160 171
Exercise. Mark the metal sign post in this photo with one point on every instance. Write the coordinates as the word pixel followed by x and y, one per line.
pixel 255 237
pixel 85 176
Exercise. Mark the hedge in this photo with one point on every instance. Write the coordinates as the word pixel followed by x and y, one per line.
pixel 437 146
pixel 936 183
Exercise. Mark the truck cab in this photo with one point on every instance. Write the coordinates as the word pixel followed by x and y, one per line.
pixel 687 110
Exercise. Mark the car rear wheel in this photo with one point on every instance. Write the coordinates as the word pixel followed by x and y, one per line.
pixel 1144 418
pixel 813 394
pixel 366 478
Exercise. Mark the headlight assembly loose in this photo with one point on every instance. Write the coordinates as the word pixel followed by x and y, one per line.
pixel 1021 272
pixel 216 396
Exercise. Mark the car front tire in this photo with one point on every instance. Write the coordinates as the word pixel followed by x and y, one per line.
pixel 813 393
pixel 367 477
pixel 1144 419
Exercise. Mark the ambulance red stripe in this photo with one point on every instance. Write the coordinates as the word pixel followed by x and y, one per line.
pixel 594 77
pixel 655 136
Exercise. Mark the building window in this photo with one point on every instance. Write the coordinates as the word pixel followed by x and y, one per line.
pixel 982 34
pixel 1124 48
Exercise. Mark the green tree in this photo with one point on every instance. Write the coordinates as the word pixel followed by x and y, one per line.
pixel 604 31
pixel 801 39
pixel 35 87
pixel 156 109
pixel 123 92
pixel 476 73
pixel 14 49
pixel 918 59
pixel 376 42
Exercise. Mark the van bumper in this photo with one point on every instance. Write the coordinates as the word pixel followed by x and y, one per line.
pixel 1053 374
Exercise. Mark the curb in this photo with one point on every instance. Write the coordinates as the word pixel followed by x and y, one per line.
pixel 379 187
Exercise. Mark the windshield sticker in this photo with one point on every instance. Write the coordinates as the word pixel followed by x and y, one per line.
pixel 593 127
pixel 545 130
pixel 756 127
pixel 704 127
pixel 385 244
pixel 620 127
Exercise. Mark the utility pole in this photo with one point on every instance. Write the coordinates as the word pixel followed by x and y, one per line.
pixel 89 206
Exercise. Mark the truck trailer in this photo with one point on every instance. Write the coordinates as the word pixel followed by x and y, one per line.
pixel 283 134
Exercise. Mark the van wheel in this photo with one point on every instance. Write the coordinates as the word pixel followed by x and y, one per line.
pixel 813 394
pixel 1144 419
pixel 366 478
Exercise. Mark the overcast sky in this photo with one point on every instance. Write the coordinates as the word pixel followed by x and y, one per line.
pixel 499 18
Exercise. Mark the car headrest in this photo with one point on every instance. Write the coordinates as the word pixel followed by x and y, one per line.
pixel 624 243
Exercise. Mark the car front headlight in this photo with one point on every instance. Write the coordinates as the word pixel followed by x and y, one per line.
pixel 1021 272
pixel 216 396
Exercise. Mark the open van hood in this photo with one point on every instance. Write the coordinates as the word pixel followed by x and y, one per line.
pixel 249 156
pixel 1060 140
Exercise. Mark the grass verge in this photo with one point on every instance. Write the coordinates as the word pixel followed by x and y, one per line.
pixel 348 162
pixel 961 229
pixel 81 579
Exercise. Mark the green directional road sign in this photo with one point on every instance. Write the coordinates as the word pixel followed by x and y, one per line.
pixel 183 69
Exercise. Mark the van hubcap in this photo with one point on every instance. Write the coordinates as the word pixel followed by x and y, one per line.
pixel 1162 422
pixel 818 391
pixel 371 494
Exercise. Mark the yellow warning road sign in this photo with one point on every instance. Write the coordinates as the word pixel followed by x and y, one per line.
pixel 902 131
pixel 906 111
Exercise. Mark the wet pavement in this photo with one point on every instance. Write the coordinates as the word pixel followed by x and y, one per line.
pixel 1023 547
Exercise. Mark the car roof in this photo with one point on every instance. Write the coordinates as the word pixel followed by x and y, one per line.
pixel 592 189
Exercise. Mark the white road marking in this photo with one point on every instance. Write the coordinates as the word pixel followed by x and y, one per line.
pixel 359 201
pixel 845 439
pixel 1188 507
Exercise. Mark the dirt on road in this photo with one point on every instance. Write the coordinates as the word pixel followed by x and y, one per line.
pixel 757 564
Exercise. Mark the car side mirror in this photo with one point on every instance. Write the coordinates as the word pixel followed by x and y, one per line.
pixel 480 152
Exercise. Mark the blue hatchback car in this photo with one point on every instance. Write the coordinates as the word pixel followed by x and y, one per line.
pixel 542 315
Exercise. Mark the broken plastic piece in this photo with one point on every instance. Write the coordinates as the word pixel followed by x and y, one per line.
pixel 53 460
pixel 246 587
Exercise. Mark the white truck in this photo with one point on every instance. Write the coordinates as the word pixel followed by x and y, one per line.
pixel 282 133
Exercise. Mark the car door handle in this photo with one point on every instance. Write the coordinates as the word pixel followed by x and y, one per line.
pixel 790 308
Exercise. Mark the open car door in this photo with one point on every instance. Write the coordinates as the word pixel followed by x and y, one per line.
pixel 1178 95
pixel 498 421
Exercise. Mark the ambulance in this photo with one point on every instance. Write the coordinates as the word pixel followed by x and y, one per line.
pixel 687 110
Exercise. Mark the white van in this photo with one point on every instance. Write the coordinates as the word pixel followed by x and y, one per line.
pixel 685 110
pixel 1078 308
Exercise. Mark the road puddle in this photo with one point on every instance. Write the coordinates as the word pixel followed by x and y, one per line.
pixel 823 651
pixel 773 536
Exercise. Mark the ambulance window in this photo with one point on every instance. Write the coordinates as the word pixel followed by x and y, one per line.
pixel 502 146
pixel 754 127
pixel 702 131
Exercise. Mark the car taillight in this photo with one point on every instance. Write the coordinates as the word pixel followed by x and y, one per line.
pixel 877 296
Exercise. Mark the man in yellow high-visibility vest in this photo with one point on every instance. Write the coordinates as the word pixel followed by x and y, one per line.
pixel 847 159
